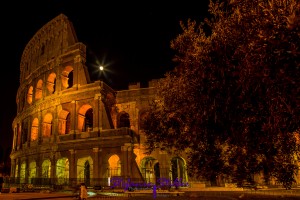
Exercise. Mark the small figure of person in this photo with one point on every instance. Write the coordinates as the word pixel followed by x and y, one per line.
pixel 83 192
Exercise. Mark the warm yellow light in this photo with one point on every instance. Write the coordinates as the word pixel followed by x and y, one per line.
pixel 101 68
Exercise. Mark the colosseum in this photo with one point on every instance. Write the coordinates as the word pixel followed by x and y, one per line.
pixel 71 129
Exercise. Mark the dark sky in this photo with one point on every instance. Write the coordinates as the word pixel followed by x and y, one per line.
pixel 131 39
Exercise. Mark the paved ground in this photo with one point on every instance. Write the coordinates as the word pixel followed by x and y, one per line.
pixel 204 194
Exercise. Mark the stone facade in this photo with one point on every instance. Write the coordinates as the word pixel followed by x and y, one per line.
pixel 70 128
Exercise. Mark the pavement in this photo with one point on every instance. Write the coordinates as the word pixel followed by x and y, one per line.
pixel 218 191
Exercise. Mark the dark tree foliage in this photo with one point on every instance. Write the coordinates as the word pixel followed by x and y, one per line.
pixel 233 101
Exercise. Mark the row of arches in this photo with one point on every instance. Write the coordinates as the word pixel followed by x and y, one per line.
pixel 85 123
pixel 149 167
pixel 151 170
pixel 48 87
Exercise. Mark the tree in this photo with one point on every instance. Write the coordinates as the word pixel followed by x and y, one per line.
pixel 232 103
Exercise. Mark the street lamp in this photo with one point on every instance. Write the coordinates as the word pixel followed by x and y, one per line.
pixel 101 68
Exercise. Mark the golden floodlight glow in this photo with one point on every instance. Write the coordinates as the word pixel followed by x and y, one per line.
pixel 101 68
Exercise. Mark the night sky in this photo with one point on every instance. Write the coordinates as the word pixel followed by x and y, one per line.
pixel 131 39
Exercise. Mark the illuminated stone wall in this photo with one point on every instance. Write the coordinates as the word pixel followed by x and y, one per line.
pixel 69 128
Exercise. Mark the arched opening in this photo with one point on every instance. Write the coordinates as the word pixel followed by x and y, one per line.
pixel 123 120
pixel 39 90
pixel 22 172
pixel 178 170
pixel 64 122
pixel 46 169
pixel 62 171
pixel 85 118
pixel 142 118
pixel 70 80
pixel 150 169
pixel 35 129
pixel 51 81
pixel 29 95
pixel 89 120
pixel 32 171
pixel 85 170
pixel 114 166
pixel 47 125
pixel 67 77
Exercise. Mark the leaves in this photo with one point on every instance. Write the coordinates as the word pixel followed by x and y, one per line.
pixel 232 102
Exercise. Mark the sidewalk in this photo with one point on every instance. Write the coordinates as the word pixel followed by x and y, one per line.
pixel 35 195
pixel 211 191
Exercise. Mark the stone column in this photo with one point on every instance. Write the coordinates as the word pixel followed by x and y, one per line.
pixel 72 165
pixel 58 85
pixel 26 170
pixel 38 167
pixel 53 166
pixel 13 168
pixel 126 160
pixel 54 130
pixel 74 128
pixel 96 117
pixel 96 162
pixel 40 128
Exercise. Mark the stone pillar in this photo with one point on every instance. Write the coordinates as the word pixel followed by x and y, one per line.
pixel 26 170
pixel 40 128
pixel 58 85
pixel 74 128
pixel 77 70
pixel 53 166
pixel 96 163
pixel 96 117
pixel 28 140
pixel 13 168
pixel 54 129
pixel 126 159
pixel 102 168
pixel 72 165
pixel 38 167
pixel 19 168
pixel 101 118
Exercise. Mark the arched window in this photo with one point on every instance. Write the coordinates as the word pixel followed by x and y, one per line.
pixel 64 122
pixel 29 95
pixel 39 90
pixel 114 166
pixel 62 170
pixel 150 169
pixel 142 120
pixel 88 123
pixel 124 120
pixel 85 118
pixel 47 125
pixel 35 129
pixel 67 77
pixel 46 168
pixel 178 169
pixel 51 81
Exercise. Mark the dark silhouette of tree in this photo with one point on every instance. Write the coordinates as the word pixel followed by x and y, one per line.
pixel 232 103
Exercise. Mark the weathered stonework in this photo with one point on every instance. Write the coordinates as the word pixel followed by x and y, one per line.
pixel 68 128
